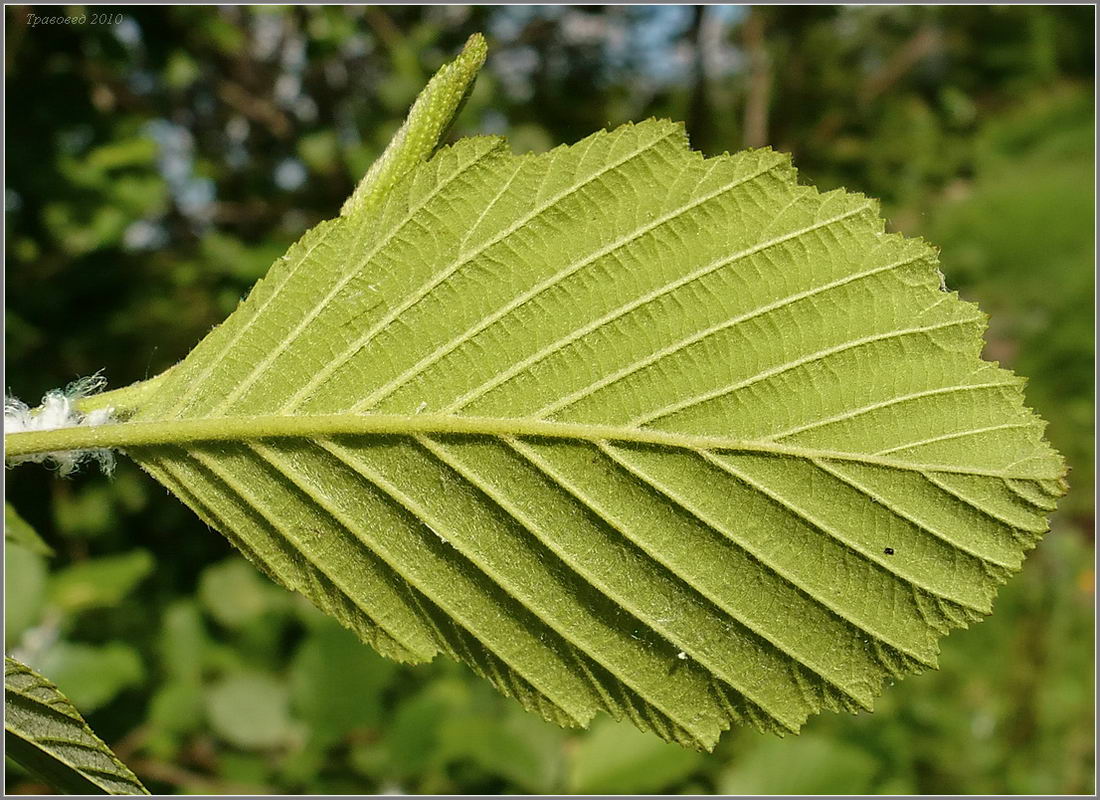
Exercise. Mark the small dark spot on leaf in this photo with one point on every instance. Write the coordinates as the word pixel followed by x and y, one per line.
pixel 889 551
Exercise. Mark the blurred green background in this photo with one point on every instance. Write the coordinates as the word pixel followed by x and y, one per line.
pixel 158 164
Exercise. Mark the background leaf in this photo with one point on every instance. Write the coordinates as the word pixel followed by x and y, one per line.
pixel 93 675
pixel 816 766
pixel 617 759
pixel 25 577
pixel 235 595
pixel 250 710
pixel 44 733
pixel 337 684
pixel 18 530
pixel 99 582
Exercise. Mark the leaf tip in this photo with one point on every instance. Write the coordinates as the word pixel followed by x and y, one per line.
pixel 473 54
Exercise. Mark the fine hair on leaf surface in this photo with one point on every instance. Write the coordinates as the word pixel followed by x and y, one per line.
pixel 620 427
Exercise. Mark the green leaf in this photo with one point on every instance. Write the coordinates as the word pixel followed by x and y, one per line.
pixel 250 710
pixel 99 582
pixel 615 759
pixel 93 675
pixel 25 576
pixel 84 512
pixel 337 684
pixel 620 427
pixel 811 765
pixel 175 709
pixel 508 743
pixel 413 740
pixel 18 530
pixel 235 595
pixel 183 642
pixel 46 735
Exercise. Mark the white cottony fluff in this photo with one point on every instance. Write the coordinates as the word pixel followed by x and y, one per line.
pixel 57 411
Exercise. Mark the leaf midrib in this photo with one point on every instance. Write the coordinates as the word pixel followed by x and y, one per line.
pixel 242 428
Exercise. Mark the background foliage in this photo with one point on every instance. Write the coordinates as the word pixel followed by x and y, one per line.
pixel 156 167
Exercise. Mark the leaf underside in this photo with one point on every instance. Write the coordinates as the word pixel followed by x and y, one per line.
pixel 44 733
pixel 688 442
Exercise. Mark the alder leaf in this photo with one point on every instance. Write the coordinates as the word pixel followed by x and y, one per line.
pixel 620 427
pixel 46 735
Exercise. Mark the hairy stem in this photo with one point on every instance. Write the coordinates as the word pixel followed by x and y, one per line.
pixel 125 399
pixel 220 429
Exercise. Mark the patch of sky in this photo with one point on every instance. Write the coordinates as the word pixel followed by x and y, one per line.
pixel 266 32
pixel 143 234
pixel 290 174
pixel 141 81
pixel 128 32
pixel 194 196
pixel 646 41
